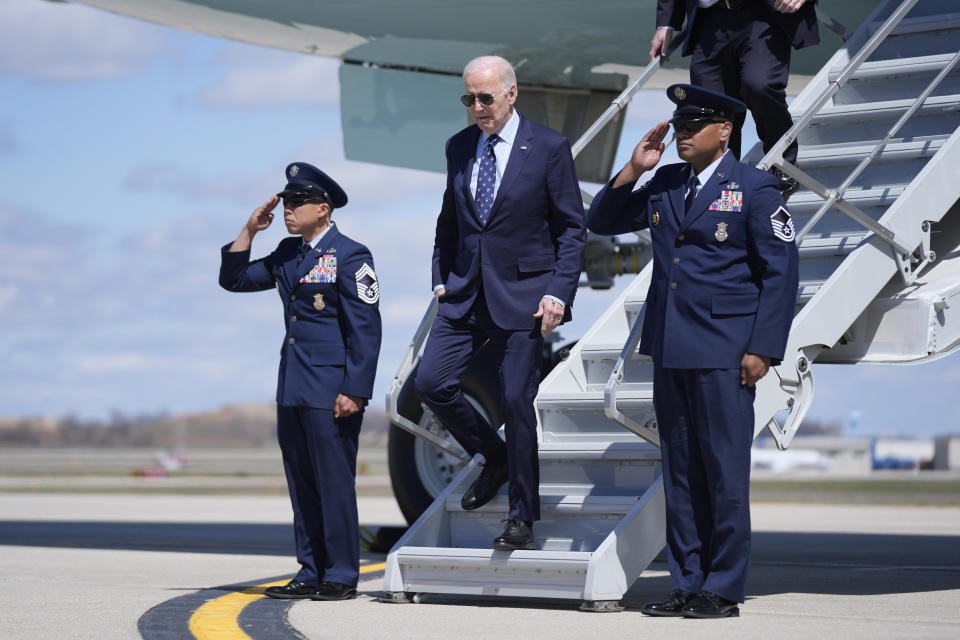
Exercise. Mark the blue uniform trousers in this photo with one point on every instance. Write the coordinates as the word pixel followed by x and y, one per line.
pixel 746 56
pixel 320 460
pixel 447 354
pixel 705 418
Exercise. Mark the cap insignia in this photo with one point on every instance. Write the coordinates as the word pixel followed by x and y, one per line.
pixel 679 93
pixel 294 170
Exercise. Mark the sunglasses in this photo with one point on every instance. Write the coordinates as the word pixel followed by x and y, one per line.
pixel 694 126
pixel 486 99
pixel 293 203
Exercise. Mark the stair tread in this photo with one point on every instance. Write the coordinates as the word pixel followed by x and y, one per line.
pixel 881 107
pixel 896 66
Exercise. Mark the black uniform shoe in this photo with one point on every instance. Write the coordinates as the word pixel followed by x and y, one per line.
pixel 516 535
pixel 710 605
pixel 788 185
pixel 333 591
pixel 290 591
pixel 671 606
pixel 492 477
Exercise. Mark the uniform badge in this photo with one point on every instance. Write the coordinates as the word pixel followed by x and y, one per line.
pixel 721 233
pixel 294 170
pixel 318 302
pixel 733 185
pixel 655 218
pixel 782 225
pixel 324 271
pixel 728 201
pixel 679 93
pixel 367 286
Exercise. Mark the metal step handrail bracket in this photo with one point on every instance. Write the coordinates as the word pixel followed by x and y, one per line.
pixel 396 386
pixel 646 431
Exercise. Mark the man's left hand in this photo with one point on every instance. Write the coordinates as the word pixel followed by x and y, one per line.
pixel 347 406
pixel 752 368
pixel 551 314
pixel 788 6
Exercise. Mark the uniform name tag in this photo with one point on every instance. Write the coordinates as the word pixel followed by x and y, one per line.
pixel 728 201
pixel 324 271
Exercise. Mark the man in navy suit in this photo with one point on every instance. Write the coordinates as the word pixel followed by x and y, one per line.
pixel 717 315
pixel 506 261
pixel 742 48
pixel 328 360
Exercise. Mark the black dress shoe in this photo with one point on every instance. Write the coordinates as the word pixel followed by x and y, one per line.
pixel 710 605
pixel 291 590
pixel 333 591
pixel 492 477
pixel 516 535
pixel 672 606
pixel 788 185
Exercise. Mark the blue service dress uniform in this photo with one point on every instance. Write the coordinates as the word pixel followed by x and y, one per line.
pixel 330 298
pixel 724 284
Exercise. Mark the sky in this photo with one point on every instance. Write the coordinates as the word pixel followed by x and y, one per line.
pixel 130 153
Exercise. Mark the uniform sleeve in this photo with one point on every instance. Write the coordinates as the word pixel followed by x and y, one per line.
pixel 447 232
pixel 618 210
pixel 774 259
pixel 567 224
pixel 237 273
pixel 359 318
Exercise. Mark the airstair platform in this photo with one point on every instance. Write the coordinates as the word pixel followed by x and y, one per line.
pixel 878 224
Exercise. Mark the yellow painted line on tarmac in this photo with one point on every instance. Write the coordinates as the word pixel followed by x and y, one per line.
pixel 218 619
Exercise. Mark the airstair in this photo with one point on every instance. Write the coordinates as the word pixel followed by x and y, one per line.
pixel 878 222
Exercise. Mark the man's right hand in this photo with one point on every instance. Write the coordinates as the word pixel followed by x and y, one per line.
pixel 259 220
pixel 645 156
pixel 439 292
pixel 262 216
pixel 661 43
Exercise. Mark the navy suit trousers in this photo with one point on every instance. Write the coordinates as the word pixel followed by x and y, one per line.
pixel 746 56
pixel 705 417
pixel 448 352
pixel 320 460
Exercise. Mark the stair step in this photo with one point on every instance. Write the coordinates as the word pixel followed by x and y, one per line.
pixel 897 67
pixel 843 154
pixel 627 398
pixel 920 24
pixel 882 196
pixel 554 505
pixel 860 112
pixel 597 451
pixel 550 574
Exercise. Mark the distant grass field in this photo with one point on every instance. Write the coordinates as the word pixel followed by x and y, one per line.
pixel 868 490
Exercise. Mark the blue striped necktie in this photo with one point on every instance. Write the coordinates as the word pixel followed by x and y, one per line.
pixel 487 180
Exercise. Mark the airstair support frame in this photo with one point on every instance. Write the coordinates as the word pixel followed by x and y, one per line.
pixel 906 248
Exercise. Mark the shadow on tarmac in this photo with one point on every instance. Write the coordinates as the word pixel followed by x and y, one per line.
pixel 782 562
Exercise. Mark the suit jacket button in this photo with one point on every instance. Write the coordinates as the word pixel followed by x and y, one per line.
pixel 676 261
pixel 673 285
pixel 293 297
pixel 292 340
pixel 293 318
pixel 681 237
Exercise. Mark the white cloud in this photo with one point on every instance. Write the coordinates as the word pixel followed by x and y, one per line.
pixel 286 79
pixel 59 41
